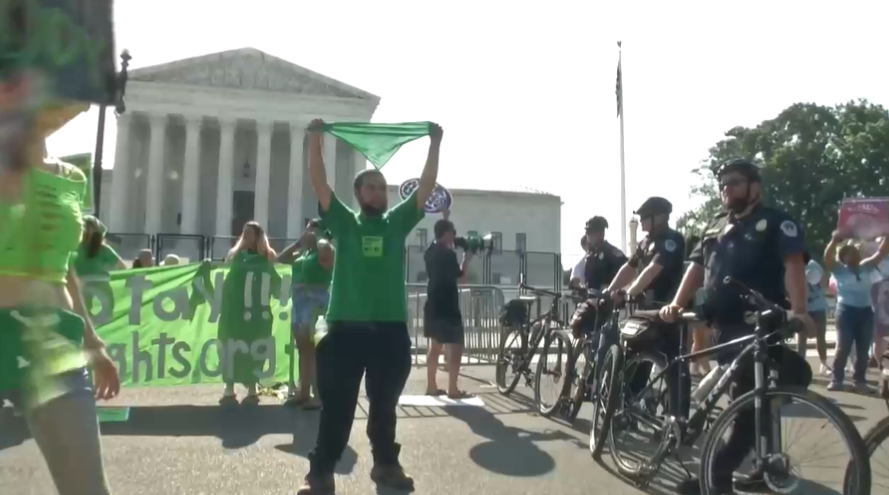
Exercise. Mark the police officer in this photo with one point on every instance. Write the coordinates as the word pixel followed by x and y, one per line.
pixel 657 266
pixel 603 260
pixel 761 247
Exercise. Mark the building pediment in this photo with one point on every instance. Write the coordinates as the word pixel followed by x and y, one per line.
pixel 250 69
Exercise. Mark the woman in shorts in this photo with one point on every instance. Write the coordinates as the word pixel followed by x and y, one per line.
pixel 46 336
pixel 311 258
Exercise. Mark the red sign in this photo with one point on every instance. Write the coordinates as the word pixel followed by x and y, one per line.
pixel 864 218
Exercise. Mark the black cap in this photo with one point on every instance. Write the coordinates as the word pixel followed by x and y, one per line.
pixel 654 205
pixel 743 166
pixel 597 224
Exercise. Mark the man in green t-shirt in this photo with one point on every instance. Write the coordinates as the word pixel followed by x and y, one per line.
pixel 367 317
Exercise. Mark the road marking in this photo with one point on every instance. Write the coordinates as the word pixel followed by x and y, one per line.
pixel 442 401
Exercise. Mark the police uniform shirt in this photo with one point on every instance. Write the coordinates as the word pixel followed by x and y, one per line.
pixel 752 250
pixel 602 265
pixel 667 249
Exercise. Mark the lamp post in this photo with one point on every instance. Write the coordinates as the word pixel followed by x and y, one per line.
pixel 119 108
pixel 634 224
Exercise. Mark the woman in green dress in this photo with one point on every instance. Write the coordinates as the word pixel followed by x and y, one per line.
pixel 312 261
pixel 46 336
pixel 250 259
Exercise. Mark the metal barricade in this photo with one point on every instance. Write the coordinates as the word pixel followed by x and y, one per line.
pixel 220 246
pixel 129 245
pixel 480 306
pixel 189 248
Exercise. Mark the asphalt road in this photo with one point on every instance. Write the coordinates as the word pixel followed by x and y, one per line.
pixel 178 441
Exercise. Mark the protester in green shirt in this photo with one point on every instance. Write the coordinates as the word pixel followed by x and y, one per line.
pixel 367 317
pixel 94 256
pixel 94 259
pixel 312 269
pixel 46 335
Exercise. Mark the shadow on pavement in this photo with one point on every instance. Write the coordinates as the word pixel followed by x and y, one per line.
pixel 304 432
pixel 509 451
pixel 237 427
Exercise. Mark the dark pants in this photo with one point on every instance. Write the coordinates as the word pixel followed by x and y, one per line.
pixel 793 370
pixel 380 352
pixel 678 379
pixel 855 326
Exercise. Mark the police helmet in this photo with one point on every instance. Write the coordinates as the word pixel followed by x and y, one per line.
pixel 744 167
pixel 597 224
pixel 654 206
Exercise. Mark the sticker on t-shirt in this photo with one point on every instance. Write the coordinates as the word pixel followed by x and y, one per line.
pixel 372 246
pixel 670 245
pixel 789 228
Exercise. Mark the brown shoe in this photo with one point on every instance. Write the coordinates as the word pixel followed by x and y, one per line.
pixel 392 476
pixel 318 485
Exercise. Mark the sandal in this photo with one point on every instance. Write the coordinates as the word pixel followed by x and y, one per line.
pixel 436 393
pixel 251 400
pixel 461 395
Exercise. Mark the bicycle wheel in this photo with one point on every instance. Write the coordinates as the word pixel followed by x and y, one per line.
pixel 604 402
pixel 634 432
pixel 878 454
pixel 511 358
pixel 781 474
pixel 551 371
pixel 580 375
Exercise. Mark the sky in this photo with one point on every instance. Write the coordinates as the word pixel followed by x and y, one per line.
pixel 525 91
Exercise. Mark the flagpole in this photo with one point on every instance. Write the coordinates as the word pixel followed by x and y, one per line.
pixel 623 177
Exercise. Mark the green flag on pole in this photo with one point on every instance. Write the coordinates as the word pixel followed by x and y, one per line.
pixel 377 142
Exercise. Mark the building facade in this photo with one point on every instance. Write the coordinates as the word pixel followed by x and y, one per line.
pixel 525 225
pixel 210 142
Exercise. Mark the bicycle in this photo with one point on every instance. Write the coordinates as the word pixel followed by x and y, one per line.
pixel 777 468
pixel 517 356
pixel 875 438
pixel 595 376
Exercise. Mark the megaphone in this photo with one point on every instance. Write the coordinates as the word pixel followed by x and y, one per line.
pixel 475 244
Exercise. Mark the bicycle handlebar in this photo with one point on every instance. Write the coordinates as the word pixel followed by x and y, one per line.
pixel 557 295
pixel 765 307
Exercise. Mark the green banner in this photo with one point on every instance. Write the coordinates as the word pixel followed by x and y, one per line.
pixel 198 323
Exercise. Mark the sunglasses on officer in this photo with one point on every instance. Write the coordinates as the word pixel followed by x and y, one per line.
pixel 732 183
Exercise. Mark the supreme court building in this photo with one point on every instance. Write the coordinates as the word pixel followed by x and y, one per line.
pixel 211 142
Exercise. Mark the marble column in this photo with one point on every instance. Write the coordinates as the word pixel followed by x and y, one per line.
pixel 329 151
pixel 121 178
pixel 295 182
pixel 263 173
pixel 225 177
pixel 190 171
pixel 154 191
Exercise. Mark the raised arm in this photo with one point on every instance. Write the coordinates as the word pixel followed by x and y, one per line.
pixel 316 164
pixel 430 170
pixel 830 252
pixel 879 256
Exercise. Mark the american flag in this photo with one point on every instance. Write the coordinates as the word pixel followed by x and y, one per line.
pixel 619 90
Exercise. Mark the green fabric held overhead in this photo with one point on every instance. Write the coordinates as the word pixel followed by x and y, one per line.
pixel 377 142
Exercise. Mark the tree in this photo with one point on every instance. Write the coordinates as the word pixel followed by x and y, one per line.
pixel 813 156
